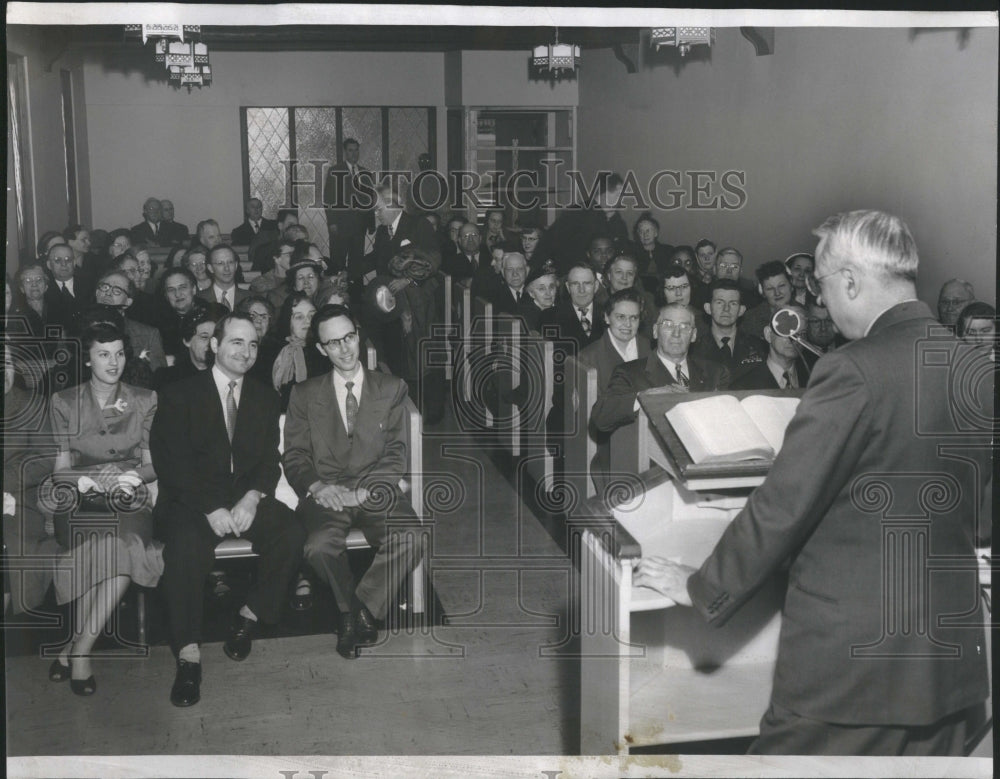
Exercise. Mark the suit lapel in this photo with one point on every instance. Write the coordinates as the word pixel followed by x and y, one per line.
pixel 657 372
pixel 216 413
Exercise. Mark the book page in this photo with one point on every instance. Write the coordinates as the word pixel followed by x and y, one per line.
pixel 771 415
pixel 717 429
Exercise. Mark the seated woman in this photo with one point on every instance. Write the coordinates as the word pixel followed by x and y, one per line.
pixel 196 261
pixel 304 275
pixel 541 286
pixel 977 325
pixel 291 358
pixel 102 466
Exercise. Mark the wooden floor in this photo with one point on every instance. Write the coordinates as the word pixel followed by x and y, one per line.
pixel 497 678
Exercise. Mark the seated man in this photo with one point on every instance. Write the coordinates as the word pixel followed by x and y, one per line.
pixel 69 288
pixel 196 332
pixel 776 287
pixel 726 344
pixel 148 230
pixel 116 289
pixel 728 264
pixel 509 296
pixel 345 452
pixel 955 295
pixel 620 344
pixel 821 331
pixel 576 318
pixel 254 223
pixel 260 244
pixel 88 263
pixel 223 263
pixel 171 233
pixel 471 261
pixel 785 367
pixel 669 366
pixel 273 284
pixel 214 443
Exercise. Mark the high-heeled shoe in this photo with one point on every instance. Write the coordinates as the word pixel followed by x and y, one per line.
pixel 82 687
pixel 58 672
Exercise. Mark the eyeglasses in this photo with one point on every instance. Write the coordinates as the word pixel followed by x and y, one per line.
pixel 953 302
pixel 104 288
pixel 348 340
pixel 728 266
pixel 680 328
pixel 256 316
pixel 813 285
pixel 677 288
pixel 625 319
pixel 816 321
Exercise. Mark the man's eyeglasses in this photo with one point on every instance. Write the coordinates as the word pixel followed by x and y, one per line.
pixel 813 285
pixel 110 289
pixel 256 316
pixel 729 266
pixel 680 328
pixel 348 340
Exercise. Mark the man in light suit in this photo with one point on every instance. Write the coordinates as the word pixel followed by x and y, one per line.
pixel 222 264
pixel 214 442
pixel 345 452
pixel 349 196
pixel 670 365
pixel 864 668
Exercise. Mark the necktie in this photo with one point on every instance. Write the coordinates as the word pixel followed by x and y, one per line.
pixel 584 321
pixel 352 408
pixel 681 378
pixel 156 230
pixel 65 290
pixel 225 300
pixel 726 346
pixel 256 227
pixel 231 411
pixel 790 379
pixel 388 229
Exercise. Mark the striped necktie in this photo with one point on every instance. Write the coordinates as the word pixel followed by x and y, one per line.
pixel 351 407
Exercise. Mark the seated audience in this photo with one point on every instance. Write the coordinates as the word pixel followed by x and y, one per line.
pixel 138 372
pixel 143 308
pixel 116 289
pixel 622 273
pixel 509 297
pixel 207 234
pixel 726 345
pixel 531 235
pixel 955 295
pixel 222 264
pixel 273 283
pixel 102 430
pixel 148 230
pixel 599 253
pixel 147 274
pixel 821 331
pixel 784 368
pixel 260 244
pixel 119 242
pixel 46 242
pixel 800 266
pixel 291 357
pixel 171 233
pixel 196 331
pixel 472 262
pixel 255 223
pixel 304 275
pixel 704 255
pixel 670 365
pixel 728 263
pixel 678 288
pixel 87 263
pixel 653 257
pixel 28 314
pixel 620 344
pixel 214 442
pixel 345 445
pixel 574 318
pixel 179 293
pixel 260 311
pixel 495 235
pixel 683 256
pixel 776 287
pixel 70 288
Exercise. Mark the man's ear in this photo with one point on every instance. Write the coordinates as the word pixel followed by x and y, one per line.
pixel 694 332
pixel 853 282
pixel 768 333
pixel 743 310
pixel 128 302
pixel 320 349
pixel 213 344
pixel 708 308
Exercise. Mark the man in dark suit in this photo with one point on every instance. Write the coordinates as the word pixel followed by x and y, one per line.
pixel 222 264
pixel 171 233
pixel 725 343
pixel 785 367
pixel 148 230
pixel 69 290
pixel 349 196
pixel 670 365
pixel 253 225
pixel 728 266
pixel 578 318
pixel 509 297
pixel 862 669
pixel 214 443
pixel 471 262
pixel 345 452
pixel 396 227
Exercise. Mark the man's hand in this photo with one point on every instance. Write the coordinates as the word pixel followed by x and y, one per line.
pixel 354 497
pixel 107 477
pixel 244 511
pixel 397 285
pixel 664 576
pixel 221 521
pixel 329 496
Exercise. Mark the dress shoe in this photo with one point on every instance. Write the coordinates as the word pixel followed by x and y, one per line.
pixel 58 672
pixel 187 684
pixel 83 687
pixel 365 626
pixel 347 637
pixel 302 600
pixel 239 643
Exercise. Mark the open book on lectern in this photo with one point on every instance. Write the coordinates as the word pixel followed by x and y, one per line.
pixel 722 429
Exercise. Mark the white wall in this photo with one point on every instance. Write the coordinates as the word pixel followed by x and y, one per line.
pixel 147 138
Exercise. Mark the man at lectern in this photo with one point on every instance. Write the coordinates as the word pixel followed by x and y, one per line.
pixel 873 500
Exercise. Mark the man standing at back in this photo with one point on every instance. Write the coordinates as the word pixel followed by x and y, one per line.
pixel 349 198
pixel 875 486
pixel 345 452
pixel 214 443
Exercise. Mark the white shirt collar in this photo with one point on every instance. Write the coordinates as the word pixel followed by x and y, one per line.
pixel 631 351
pixel 395 222
pixel 217 290
pixel 340 390
pixel 588 310
pixel 68 284
pixel 673 367
pixel 777 371
pixel 222 385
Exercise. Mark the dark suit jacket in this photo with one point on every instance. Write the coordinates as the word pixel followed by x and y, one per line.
pixel 191 449
pixel 458 265
pixel 208 295
pixel 244 234
pixel 317 447
pixel 614 407
pixel 173 233
pixel 143 233
pixel 864 446
pixel 503 300
pixel 563 316
pixel 62 310
pixel 748 352
pixel 414 229
pixel 760 377
pixel 569 237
